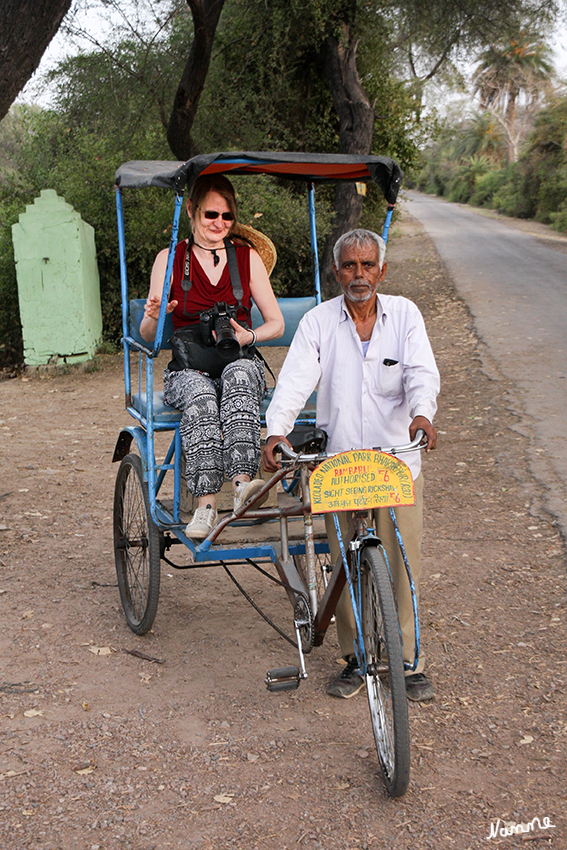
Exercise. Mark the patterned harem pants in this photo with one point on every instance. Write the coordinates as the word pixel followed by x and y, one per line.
pixel 220 422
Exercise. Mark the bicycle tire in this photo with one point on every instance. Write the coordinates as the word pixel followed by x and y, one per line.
pixel 385 683
pixel 136 546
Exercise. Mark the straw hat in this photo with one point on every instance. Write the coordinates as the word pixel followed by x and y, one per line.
pixel 259 241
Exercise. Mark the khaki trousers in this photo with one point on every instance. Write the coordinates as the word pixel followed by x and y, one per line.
pixel 410 523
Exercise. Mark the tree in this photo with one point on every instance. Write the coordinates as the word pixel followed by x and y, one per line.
pixel 481 135
pixel 26 27
pixel 356 127
pixel 288 75
pixel 205 14
pixel 514 72
pixel 149 28
pixel 538 181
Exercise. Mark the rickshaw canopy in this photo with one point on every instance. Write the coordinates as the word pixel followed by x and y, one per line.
pixel 310 167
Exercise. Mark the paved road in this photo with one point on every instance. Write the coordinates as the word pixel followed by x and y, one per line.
pixel 515 284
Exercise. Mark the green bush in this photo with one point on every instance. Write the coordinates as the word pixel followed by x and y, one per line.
pixel 466 177
pixel 515 197
pixel 281 212
pixel 487 186
pixel 435 178
pixel 460 188
pixel 558 218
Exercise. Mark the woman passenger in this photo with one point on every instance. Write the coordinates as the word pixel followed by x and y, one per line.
pixel 220 423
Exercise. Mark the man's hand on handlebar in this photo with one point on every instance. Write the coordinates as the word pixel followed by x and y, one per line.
pixel 270 463
pixel 421 422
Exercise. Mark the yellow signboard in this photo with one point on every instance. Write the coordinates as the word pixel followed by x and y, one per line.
pixel 360 480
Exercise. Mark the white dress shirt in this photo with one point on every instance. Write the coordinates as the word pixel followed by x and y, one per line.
pixel 362 402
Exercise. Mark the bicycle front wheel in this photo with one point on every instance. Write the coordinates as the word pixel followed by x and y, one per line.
pixel 385 682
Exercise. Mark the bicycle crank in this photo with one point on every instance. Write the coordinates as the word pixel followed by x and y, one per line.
pixel 289 678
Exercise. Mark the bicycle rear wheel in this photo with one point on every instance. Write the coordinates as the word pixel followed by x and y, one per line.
pixel 136 546
pixel 385 683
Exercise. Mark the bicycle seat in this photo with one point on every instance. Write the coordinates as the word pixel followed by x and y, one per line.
pixel 305 438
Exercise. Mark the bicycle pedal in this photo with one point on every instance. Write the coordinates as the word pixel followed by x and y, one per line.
pixel 283 679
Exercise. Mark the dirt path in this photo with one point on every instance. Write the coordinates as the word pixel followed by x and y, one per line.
pixel 102 750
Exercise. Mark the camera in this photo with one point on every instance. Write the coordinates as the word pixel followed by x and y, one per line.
pixel 217 319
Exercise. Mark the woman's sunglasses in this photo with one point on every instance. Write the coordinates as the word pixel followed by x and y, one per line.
pixel 212 214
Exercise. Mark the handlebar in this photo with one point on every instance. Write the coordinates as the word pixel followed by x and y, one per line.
pixel 419 442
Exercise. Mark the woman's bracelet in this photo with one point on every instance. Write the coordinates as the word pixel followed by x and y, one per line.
pixel 253 336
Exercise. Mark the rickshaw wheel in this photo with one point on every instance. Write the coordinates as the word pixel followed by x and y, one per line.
pixel 136 546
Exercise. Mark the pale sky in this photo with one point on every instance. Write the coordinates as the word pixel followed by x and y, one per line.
pixel 559 45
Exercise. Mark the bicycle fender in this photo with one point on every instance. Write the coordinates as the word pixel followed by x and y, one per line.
pixel 372 540
pixel 124 442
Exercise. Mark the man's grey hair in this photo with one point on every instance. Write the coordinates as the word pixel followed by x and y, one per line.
pixel 359 238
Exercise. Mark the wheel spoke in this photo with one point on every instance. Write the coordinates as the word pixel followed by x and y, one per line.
pixel 136 556
pixel 382 723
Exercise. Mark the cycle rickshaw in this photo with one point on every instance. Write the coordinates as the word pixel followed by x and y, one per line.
pixel 149 517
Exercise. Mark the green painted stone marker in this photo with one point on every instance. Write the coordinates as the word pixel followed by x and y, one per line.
pixel 58 282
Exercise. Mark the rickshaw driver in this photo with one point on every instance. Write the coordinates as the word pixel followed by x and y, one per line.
pixel 377 380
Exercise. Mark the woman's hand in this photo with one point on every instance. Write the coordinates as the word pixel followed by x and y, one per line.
pixel 151 309
pixel 148 325
pixel 244 336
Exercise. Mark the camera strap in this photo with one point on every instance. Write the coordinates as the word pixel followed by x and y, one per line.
pixel 233 274
pixel 187 283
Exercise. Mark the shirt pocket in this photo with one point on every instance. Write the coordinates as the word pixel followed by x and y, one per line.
pixel 389 380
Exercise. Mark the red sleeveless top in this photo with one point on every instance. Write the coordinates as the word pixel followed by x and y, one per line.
pixel 203 294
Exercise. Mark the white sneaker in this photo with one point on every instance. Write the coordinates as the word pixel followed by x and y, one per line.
pixel 203 522
pixel 245 490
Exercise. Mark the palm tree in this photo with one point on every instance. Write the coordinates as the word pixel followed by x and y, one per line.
pixel 481 134
pixel 514 72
